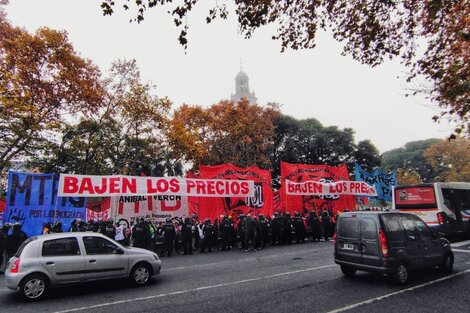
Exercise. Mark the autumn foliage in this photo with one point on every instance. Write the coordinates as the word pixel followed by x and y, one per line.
pixel 238 133
pixel 42 79
pixel 370 31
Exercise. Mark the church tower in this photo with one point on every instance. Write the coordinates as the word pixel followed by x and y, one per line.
pixel 242 88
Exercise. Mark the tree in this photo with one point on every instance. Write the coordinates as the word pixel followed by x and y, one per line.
pixel 406 176
pixel 450 159
pixel 124 137
pixel 42 79
pixel 309 142
pixel 239 133
pixel 371 31
pixel 367 155
pixel 410 157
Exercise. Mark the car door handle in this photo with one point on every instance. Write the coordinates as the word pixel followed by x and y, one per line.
pixel 49 263
pixel 92 261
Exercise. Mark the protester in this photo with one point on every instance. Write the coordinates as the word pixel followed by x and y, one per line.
pixel 57 228
pixel 140 235
pixel 224 230
pixel 108 229
pixel 299 228
pixel 250 229
pixel 208 232
pixel 276 232
pixel 4 246
pixel 119 234
pixel 47 229
pixel 169 234
pixel 186 233
pixel 15 239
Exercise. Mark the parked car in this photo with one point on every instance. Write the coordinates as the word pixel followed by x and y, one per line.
pixel 67 258
pixel 388 242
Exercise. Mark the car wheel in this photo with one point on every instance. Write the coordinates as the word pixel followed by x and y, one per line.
pixel 348 271
pixel 140 274
pixel 401 274
pixel 447 265
pixel 34 287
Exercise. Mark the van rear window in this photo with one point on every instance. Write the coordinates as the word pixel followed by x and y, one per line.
pixel 349 227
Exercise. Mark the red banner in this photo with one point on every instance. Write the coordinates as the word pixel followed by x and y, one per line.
pixel 260 203
pixel 193 202
pixel 100 210
pixel 120 185
pixel 2 209
pixel 300 173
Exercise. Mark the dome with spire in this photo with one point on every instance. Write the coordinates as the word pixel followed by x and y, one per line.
pixel 242 88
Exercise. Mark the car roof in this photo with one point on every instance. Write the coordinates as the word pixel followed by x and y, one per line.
pixel 394 212
pixel 69 234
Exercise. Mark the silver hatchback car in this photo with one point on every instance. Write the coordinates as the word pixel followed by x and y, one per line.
pixel 67 258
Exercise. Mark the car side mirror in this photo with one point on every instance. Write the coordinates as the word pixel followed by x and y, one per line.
pixel 118 251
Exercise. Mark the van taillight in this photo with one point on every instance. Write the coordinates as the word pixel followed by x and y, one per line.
pixel 440 218
pixel 16 266
pixel 383 243
pixel 334 240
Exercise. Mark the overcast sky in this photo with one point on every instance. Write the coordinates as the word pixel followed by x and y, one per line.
pixel 317 83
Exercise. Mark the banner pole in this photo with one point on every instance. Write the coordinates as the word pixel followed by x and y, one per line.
pixel 55 204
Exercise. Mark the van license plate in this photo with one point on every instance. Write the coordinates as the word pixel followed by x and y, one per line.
pixel 348 246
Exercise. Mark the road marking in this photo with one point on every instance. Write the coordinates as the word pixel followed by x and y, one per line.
pixel 352 306
pixel 195 289
pixel 460 250
pixel 462 243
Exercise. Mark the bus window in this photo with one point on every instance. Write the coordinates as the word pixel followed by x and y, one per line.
pixel 458 201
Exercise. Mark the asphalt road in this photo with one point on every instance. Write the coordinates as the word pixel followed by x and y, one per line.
pixel 294 278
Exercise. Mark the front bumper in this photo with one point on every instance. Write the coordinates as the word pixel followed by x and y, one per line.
pixel 156 267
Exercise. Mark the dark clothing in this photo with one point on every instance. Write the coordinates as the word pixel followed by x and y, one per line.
pixel 286 230
pixel 14 241
pixel 326 223
pixel 315 226
pixel 208 231
pixel 141 236
pixel 241 232
pixel 169 234
pixel 225 230
pixel 108 230
pixel 187 237
pixel 276 230
pixel 263 232
pixel 250 231
pixel 299 228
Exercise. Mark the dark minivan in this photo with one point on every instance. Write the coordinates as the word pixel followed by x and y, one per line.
pixel 388 242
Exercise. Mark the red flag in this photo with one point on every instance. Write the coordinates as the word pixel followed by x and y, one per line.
pixel 321 173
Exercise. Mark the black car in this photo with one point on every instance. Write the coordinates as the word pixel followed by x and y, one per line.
pixel 388 242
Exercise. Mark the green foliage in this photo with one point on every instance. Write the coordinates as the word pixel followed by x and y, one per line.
pixel 309 142
pixel 410 157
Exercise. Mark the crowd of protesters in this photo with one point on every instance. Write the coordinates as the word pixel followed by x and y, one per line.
pixel 188 235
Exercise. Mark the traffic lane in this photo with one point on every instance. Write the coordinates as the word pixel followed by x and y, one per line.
pixel 322 290
pixel 203 271
pixel 181 272
pixel 447 295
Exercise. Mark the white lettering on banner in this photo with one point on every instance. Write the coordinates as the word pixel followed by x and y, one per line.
pixel 97 186
pixel 334 188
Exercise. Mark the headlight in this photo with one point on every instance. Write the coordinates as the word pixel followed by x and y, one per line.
pixel 155 256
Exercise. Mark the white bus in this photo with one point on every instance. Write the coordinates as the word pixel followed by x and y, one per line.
pixel 443 206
